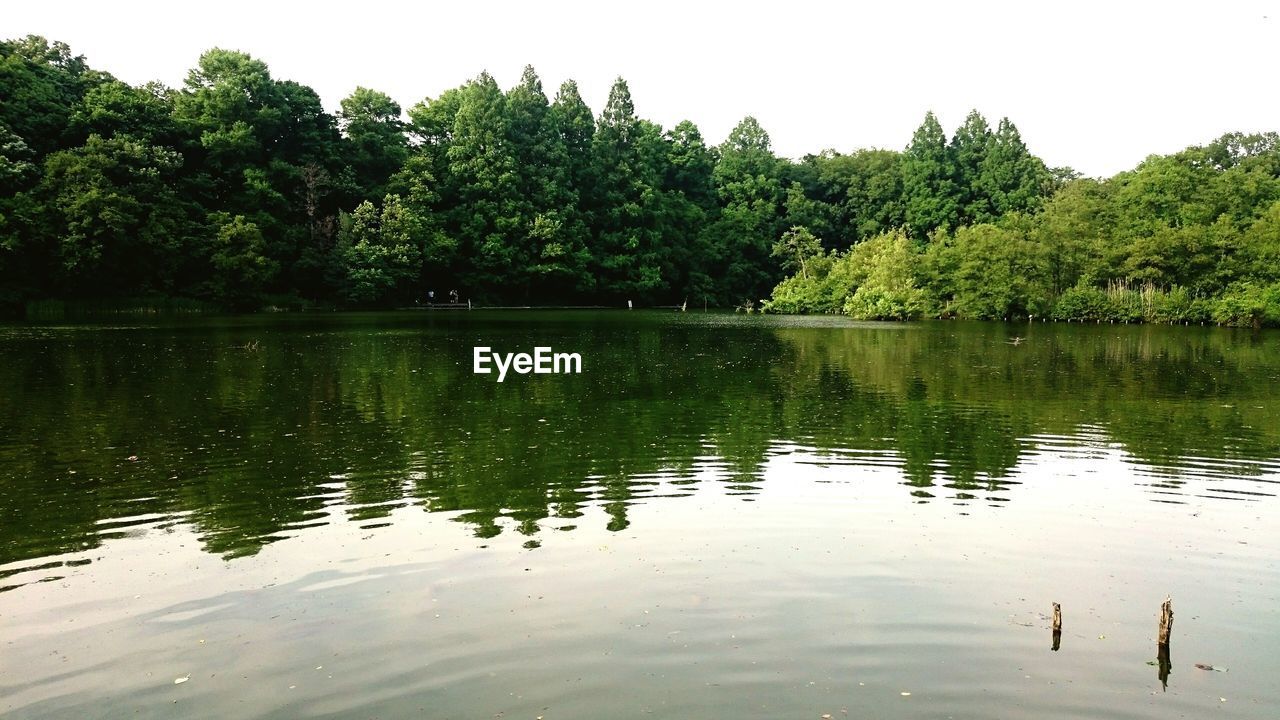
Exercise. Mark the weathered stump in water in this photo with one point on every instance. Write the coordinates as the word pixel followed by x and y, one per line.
pixel 1166 621
pixel 1057 627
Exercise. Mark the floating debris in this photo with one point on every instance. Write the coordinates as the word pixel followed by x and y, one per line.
pixel 184 678
pixel 1214 668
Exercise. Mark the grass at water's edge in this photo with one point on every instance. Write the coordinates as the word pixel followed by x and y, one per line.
pixel 70 309
pixel 55 310
pixel 1128 307
pixel 1241 305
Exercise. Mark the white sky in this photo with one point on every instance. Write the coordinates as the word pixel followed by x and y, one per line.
pixel 1097 86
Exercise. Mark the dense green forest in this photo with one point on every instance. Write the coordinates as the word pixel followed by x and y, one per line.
pixel 238 190
pixel 1192 237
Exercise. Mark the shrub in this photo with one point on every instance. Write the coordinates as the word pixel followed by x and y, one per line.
pixel 1248 304
pixel 1084 302
pixel 887 270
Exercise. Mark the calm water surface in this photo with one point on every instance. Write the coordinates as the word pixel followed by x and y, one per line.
pixel 722 517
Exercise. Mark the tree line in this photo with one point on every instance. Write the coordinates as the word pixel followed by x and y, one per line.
pixel 239 190
pixel 1192 237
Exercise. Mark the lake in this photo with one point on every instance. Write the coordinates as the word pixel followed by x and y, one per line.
pixel 722 516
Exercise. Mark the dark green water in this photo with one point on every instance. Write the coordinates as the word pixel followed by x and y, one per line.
pixel 722 517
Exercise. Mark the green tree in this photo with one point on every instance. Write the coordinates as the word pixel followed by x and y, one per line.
pixel 19 213
pixel 626 252
pixel 549 203
pixel 265 150
pixel 749 184
pixel 928 185
pixel 689 204
pixel 240 269
pixel 887 270
pixel 233 107
pixel 797 247
pixel 115 108
pixel 376 255
pixel 968 150
pixel 691 165
pixel 418 189
pixel 377 144
pixel 121 226
pixel 863 191
pixel 573 121
pixel 43 83
pixel 1010 178
pixel 1259 257
pixel 989 272
pixel 484 187
pixel 1076 234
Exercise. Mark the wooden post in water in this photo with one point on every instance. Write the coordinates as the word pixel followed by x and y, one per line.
pixel 1057 627
pixel 1166 621
pixel 1163 663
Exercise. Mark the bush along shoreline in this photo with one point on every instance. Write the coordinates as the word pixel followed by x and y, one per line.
pixel 987 273
pixel 1191 238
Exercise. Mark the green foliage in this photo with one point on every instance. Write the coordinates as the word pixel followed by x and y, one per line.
pixel 1249 304
pixel 751 217
pixel 1084 302
pixel 928 180
pixel 978 177
pixel 239 185
pixel 888 268
pixel 378 146
pixel 1010 179
pixel 1120 302
pixel 1258 255
pixel 830 281
pixel 969 150
pixel 862 191
pixel 996 273
pixel 1187 238
pixel 116 108
pixel 554 228
pixel 119 221
pixel 377 257
pixel 1075 233
pixel 877 279
pixel 796 247
pixel 42 83
pixel 626 200
pixel 240 269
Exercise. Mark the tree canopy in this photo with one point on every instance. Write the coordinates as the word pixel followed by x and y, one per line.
pixel 240 189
